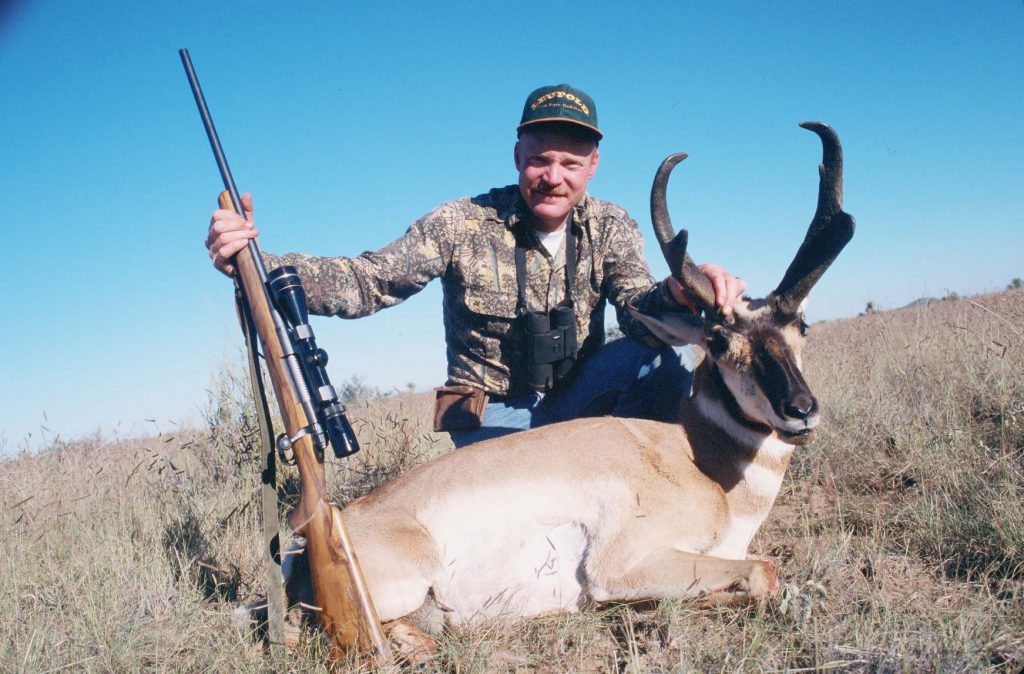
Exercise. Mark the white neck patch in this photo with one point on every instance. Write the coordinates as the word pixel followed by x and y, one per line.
pixel 716 413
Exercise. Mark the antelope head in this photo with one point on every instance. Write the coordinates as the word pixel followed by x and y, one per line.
pixel 753 356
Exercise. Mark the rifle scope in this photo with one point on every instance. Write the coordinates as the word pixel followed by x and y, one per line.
pixel 290 299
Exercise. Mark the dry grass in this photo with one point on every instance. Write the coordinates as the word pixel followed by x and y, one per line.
pixel 899 534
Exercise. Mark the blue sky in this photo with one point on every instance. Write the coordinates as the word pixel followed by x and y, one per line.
pixel 350 120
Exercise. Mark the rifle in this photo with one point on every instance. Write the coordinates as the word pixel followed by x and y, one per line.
pixel 313 417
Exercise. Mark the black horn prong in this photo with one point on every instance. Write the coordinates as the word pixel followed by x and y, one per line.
pixel 830 230
pixel 673 246
pixel 659 208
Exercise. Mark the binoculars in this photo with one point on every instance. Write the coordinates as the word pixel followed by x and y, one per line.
pixel 550 345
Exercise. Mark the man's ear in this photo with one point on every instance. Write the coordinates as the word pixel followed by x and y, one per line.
pixel 675 329
pixel 593 166
pixel 515 155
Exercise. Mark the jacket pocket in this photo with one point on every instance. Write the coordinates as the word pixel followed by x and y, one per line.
pixel 487 281
pixel 487 301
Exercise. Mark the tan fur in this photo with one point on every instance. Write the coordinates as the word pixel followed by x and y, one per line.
pixel 644 509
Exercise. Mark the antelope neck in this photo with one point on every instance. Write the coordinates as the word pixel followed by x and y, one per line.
pixel 744 457
pixel 714 409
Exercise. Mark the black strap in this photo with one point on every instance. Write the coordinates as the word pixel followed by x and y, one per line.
pixel 268 490
pixel 570 268
pixel 521 277
pixel 570 261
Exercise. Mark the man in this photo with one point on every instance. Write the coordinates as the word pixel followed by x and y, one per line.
pixel 525 270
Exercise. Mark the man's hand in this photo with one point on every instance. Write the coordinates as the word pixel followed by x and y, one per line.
pixel 728 288
pixel 230 233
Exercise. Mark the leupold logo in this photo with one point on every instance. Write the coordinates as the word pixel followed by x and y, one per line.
pixel 561 94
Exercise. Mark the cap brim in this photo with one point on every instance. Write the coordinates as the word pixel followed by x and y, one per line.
pixel 561 120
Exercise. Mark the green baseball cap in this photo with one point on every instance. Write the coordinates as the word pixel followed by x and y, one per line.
pixel 560 103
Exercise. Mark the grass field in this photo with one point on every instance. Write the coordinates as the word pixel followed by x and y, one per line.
pixel 899 534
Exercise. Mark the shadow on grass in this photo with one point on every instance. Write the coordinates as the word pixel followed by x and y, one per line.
pixel 189 552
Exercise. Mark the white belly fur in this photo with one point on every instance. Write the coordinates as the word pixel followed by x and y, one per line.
pixel 536 574
pixel 492 564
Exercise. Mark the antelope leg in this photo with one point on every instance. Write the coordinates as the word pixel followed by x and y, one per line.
pixel 672 574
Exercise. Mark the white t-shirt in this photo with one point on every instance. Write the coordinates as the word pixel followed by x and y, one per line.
pixel 552 240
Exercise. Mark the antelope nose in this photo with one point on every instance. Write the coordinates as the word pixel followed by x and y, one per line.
pixel 801 406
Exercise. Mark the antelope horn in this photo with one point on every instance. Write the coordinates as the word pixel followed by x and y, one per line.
pixel 830 230
pixel 673 246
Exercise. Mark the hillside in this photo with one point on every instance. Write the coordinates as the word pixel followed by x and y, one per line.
pixel 899 534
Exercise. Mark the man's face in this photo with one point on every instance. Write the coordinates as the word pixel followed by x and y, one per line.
pixel 553 174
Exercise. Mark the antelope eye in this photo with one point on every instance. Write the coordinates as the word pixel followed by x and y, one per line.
pixel 718 344
pixel 803 328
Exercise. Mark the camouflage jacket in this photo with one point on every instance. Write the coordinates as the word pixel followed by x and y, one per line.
pixel 470 244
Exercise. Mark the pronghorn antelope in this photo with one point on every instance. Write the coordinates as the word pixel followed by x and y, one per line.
pixel 610 509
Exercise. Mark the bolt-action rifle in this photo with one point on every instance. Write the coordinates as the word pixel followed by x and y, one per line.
pixel 314 419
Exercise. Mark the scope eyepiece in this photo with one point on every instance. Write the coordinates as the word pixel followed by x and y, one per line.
pixel 339 432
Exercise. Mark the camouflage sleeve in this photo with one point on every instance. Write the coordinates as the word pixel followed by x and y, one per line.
pixel 630 283
pixel 360 286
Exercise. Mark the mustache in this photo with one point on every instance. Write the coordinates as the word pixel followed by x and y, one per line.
pixel 551 191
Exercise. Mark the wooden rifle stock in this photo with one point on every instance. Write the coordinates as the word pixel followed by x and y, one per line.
pixel 346 610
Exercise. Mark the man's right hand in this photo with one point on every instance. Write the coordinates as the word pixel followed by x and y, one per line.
pixel 230 233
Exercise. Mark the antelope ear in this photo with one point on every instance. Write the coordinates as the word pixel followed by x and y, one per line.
pixel 675 329
pixel 801 309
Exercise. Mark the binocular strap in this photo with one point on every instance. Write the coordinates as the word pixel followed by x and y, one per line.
pixel 570 270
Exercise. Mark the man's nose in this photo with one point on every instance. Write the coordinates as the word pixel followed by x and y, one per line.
pixel 553 174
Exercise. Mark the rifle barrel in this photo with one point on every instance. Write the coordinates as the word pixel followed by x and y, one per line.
pixel 218 154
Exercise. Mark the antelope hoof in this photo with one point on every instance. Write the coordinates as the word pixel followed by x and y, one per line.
pixel 764 580
pixel 412 644
pixel 760 583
